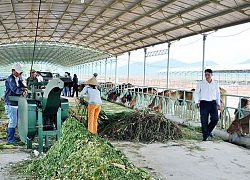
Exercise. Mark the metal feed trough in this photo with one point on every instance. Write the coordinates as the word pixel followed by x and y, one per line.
pixel 41 112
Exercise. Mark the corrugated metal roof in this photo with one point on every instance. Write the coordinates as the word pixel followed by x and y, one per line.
pixel 73 32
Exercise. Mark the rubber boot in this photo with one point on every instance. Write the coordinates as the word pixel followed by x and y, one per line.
pixel 10 135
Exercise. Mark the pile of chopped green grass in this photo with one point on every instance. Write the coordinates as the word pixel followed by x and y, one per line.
pixel 81 155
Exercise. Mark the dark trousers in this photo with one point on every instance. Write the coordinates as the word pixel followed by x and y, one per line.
pixel 75 89
pixel 208 108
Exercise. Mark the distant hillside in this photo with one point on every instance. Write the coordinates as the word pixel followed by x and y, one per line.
pixel 246 62
pixel 207 63
pixel 153 67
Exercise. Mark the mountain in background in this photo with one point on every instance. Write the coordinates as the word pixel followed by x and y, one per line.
pixel 152 67
pixel 246 62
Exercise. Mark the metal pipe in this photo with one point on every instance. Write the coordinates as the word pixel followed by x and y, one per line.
pixel 116 77
pixel 105 70
pixel 129 53
pixel 88 70
pixel 203 58
pixel 169 44
pixel 96 67
pixel 34 47
pixel 100 68
pixel 92 67
pixel 110 70
pixel 144 67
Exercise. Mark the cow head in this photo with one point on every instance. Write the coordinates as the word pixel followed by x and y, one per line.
pixel 235 127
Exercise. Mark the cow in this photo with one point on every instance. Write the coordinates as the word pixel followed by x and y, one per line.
pixel 240 125
pixel 168 94
pixel 112 96
pixel 222 105
pixel 187 96
pixel 139 93
pixel 244 106
pixel 238 128
pixel 222 98
pixel 124 86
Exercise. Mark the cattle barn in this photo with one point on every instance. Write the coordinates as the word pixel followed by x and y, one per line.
pixel 85 37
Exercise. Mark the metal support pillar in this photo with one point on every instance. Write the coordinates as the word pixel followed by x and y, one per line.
pixel 83 71
pixel 167 74
pixel 110 70
pixel 88 70
pixel 100 68
pixel 105 76
pixel 78 71
pixel 129 53
pixel 92 67
pixel 144 67
pixel 116 77
pixel 203 57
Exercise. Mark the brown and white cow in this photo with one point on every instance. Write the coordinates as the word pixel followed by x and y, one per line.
pixel 222 98
pixel 139 93
pixel 187 96
pixel 244 107
pixel 112 92
pixel 168 95
pixel 240 125
pixel 112 96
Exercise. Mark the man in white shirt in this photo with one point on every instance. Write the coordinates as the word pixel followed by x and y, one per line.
pixel 207 98
pixel 39 77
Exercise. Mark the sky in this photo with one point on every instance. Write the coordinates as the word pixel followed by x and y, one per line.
pixel 225 46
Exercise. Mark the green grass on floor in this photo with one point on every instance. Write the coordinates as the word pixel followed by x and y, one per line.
pixel 110 107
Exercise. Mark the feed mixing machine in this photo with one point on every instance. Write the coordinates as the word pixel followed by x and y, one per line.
pixel 41 112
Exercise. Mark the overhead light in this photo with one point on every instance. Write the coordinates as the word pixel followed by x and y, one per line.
pixel 82 1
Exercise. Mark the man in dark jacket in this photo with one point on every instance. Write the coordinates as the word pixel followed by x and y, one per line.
pixel 32 79
pixel 75 85
pixel 13 85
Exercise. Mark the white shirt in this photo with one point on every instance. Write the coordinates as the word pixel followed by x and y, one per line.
pixel 207 91
pixel 39 78
pixel 93 95
pixel 17 79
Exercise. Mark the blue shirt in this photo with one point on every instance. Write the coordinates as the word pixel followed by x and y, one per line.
pixel 12 88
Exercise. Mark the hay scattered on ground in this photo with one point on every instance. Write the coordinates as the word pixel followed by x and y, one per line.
pixel 138 126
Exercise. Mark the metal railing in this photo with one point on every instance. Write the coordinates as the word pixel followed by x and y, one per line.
pixel 181 106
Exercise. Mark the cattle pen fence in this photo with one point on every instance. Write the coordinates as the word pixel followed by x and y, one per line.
pixel 178 103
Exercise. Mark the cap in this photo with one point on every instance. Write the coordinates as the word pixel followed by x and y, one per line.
pixel 92 81
pixel 95 74
pixel 17 68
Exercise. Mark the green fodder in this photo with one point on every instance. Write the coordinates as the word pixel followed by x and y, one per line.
pixel 191 132
pixel 81 155
pixel 2 109
pixel 138 126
